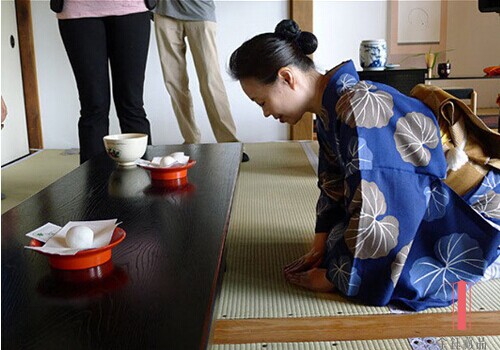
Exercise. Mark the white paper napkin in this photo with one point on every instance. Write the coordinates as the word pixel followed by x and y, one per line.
pixel 179 157
pixel 56 244
pixel 45 232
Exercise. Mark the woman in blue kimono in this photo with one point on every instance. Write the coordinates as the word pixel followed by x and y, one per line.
pixel 388 228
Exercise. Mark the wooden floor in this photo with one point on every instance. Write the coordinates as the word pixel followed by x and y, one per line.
pixel 343 328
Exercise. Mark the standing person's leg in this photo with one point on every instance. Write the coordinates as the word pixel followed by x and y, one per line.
pixel 202 42
pixel 128 43
pixel 85 43
pixel 172 50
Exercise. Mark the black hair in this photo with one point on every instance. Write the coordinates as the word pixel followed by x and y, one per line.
pixel 262 56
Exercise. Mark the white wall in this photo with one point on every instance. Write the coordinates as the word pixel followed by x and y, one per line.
pixel 474 38
pixel 340 26
pixel 237 22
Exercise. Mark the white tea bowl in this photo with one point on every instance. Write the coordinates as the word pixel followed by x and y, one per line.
pixel 125 149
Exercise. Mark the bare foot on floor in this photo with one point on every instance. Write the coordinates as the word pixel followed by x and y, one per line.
pixel 313 279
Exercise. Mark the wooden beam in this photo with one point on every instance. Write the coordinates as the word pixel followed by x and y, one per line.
pixel 301 11
pixel 28 68
pixel 343 328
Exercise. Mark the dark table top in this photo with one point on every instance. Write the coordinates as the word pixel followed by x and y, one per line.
pixel 159 290
pixel 452 77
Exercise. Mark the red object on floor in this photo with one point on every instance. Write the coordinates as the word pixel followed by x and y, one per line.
pixel 492 70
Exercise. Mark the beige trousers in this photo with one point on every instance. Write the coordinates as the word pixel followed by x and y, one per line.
pixel 201 35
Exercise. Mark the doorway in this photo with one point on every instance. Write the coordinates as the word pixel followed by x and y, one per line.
pixel 15 134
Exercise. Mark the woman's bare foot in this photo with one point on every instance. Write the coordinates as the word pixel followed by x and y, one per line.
pixel 313 279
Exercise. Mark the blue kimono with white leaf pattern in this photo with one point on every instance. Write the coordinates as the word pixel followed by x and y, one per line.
pixel 396 232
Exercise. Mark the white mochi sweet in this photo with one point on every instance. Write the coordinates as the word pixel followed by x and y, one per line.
pixel 177 154
pixel 80 237
pixel 167 161
pixel 180 157
pixel 183 160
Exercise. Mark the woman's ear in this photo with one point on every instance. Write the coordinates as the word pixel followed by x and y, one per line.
pixel 285 75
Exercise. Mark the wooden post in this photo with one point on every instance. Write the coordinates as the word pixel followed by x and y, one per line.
pixel 28 67
pixel 301 11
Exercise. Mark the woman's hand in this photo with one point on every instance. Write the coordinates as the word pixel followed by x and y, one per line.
pixel 313 279
pixel 312 259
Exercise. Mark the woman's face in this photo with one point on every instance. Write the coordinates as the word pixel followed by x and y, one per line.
pixel 281 99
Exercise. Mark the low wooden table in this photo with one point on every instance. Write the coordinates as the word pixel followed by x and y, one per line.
pixel 159 290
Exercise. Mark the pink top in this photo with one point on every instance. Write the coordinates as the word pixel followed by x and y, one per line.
pixel 100 8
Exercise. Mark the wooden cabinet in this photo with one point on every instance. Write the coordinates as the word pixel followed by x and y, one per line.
pixel 402 79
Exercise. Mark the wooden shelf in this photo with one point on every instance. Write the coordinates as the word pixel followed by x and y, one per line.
pixel 488 111
pixel 465 78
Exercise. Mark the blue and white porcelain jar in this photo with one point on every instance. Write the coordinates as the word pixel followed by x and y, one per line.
pixel 373 54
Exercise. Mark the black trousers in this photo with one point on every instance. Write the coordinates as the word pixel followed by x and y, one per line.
pixel 91 43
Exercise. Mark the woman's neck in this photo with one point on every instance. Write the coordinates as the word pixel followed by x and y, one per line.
pixel 318 83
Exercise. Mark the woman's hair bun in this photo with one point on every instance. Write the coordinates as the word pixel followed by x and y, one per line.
pixel 308 42
pixel 289 30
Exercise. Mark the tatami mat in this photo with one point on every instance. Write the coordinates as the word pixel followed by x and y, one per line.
pixel 272 223
pixel 445 343
pixel 390 344
pixel 30 175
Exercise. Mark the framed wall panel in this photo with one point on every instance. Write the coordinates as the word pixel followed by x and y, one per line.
pixel 414 26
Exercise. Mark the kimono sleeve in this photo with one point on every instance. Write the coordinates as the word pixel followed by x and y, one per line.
pixel 330 205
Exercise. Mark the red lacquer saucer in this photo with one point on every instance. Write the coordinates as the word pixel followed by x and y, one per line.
pixel 83 259
pixel 171 173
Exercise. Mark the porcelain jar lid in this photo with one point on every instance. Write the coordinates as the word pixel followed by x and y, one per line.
pixel 374 41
